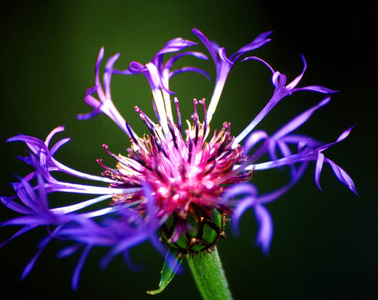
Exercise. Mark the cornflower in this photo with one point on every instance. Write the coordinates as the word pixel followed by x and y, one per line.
pixel 177 186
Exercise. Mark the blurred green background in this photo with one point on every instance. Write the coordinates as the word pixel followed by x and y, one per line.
pixel 325 243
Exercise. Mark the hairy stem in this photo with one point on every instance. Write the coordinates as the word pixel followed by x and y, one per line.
pixel 209 275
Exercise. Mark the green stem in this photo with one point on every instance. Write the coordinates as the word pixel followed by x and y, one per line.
pixel 209 275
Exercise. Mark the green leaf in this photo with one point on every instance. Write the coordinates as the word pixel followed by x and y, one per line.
pixel 167 275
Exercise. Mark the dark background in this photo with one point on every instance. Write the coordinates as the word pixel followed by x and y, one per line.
pixel 325 242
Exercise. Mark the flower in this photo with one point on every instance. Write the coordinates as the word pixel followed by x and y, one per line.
pixel 176 187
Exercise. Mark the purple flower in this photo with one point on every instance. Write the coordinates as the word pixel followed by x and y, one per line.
pixel 174 187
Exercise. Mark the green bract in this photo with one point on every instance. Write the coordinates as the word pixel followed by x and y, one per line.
pixel 203 234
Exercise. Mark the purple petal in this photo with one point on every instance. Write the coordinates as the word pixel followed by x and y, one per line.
pixel 223 56
pixel 56 147
pixel 18 233
pixel 91 90
pixel 136 68
pixel 92 101
pixel 239 210
pixel 265 232
pixel 253 139
pixel 52 133
pixel 27 195
pixel 108 73
pixel 238 190
pixel 207 44
pixel 294 83
pixel 30 220
pixel 343 176
pixel 318 169
pixel 65 252
pixel 190 69
pixel 315 88
pixel 15 206
pixel 79 266
pixel 260 60
pixel 268 197
pixel 279 81
pixel 130 264
pixel 30 140
pixel 299 120
pixel 42 246
pixel 122 245
pixel 97 71
pixel 256 43
pixel 98 63
pixel 175 45
pixel 343 136
pixel 176 57
pixel 30 265
pixel 87 116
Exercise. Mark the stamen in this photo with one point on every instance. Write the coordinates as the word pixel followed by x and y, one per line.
pixel 99 161
pixel 152 127
pixel 132 136
pixel 190 145
pixel 106 147
pixel 172 130
pixel 159 145
pixel 195 115
pixel 196 123
pixel 160 174
pixel 195 102
pixel 108 170
pixel 202 101
pixel 179 124
pixel 116 157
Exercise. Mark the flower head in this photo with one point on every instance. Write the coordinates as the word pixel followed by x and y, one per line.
pixel 177 185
